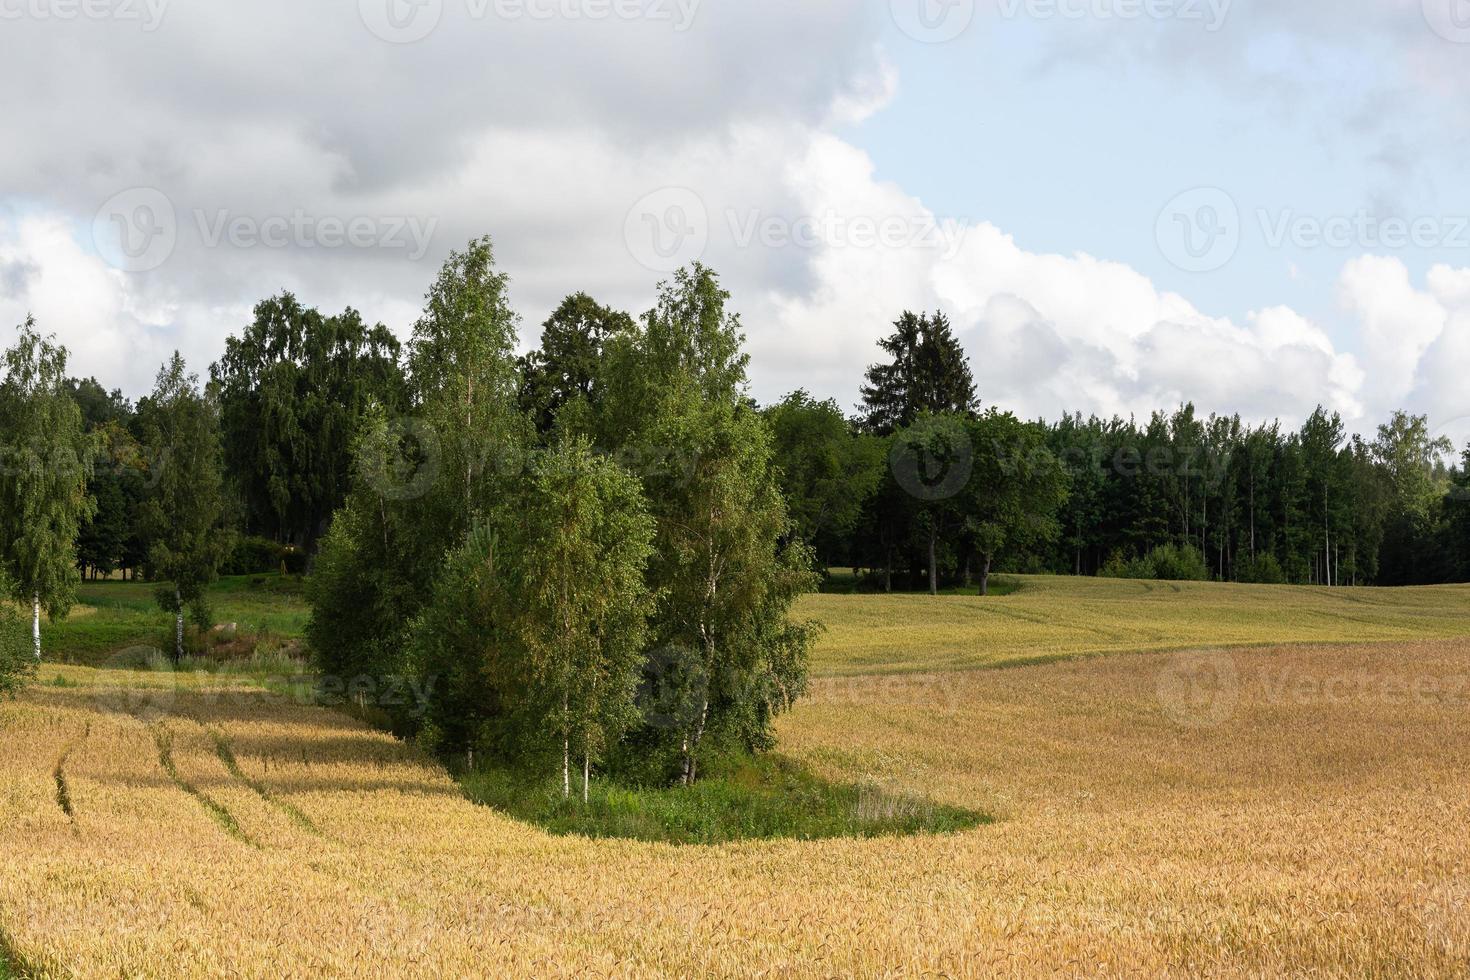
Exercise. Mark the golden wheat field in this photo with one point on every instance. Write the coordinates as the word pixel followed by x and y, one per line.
pixel 1296 809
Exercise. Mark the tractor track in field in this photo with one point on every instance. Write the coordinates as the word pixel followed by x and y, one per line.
pixel 163 739
pixel 226 753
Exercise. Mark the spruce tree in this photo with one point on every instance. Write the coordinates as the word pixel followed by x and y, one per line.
pixel 927 372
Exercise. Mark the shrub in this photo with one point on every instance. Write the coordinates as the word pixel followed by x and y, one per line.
pixel 1263 569
pixel 253 556
pixel 1175 564
pixel 1167 562
pixel 17 658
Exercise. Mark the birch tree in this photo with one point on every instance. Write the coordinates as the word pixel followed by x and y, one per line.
pixel 583 602
pixel 184 512
pixel 45 462
pixel 726 564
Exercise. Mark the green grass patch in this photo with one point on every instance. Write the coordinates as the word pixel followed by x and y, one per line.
pixel 763 798
pixel 114 616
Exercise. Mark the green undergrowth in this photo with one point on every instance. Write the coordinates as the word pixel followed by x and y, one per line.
pixel 763 798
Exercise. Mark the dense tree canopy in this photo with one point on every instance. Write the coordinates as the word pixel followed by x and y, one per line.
pixel 292 390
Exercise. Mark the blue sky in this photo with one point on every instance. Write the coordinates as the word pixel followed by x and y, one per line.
pixel 1073 142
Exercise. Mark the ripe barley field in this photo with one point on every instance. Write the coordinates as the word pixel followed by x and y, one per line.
pixel 1050 618
pixel 1228 810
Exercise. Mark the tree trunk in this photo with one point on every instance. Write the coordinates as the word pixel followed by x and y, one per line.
pixel 566 768
pixel 933 561
pixel 888 572
pixel 586 775
pixel 178 626
pixel 985 576
pixel 36 623
pixel 691 746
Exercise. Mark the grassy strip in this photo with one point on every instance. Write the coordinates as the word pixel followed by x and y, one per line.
pixel 764 798
pixel 227 756
pixel 223 817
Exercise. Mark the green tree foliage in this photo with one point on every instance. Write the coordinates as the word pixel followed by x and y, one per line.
pixel 292 390
pixel 17 661
pixel 926 372
pixel 580 603
pixel 183 513
pixel 45 462
pixel 566 368
pixel 426 486
pixel 725 566
pixel 1015 491
pixel 828 470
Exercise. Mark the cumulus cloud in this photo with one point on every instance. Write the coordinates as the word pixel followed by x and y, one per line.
pixel 295 118
pixel 1046 332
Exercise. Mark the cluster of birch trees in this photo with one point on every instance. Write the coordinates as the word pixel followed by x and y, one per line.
pixel 583 556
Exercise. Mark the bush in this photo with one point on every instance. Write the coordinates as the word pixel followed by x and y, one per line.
pixel 1264 569
pixel 1167 563
pixel 253 556
pixel 293 561
pixel 1174 564
pixel 17 657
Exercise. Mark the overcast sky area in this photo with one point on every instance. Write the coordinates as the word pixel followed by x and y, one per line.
pixel 1121 204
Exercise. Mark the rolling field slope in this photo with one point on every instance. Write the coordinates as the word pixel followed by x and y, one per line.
pixel 1049 618
pixel 1263 810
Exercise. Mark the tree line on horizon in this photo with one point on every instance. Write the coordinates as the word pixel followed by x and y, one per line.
pixel 601 539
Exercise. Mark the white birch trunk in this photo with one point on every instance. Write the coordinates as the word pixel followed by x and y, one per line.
pixel 178 626
pixel 36 623
pixel 586 776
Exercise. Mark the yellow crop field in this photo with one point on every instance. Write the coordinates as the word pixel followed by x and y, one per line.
pixel 1226 810
pixel 1050 617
